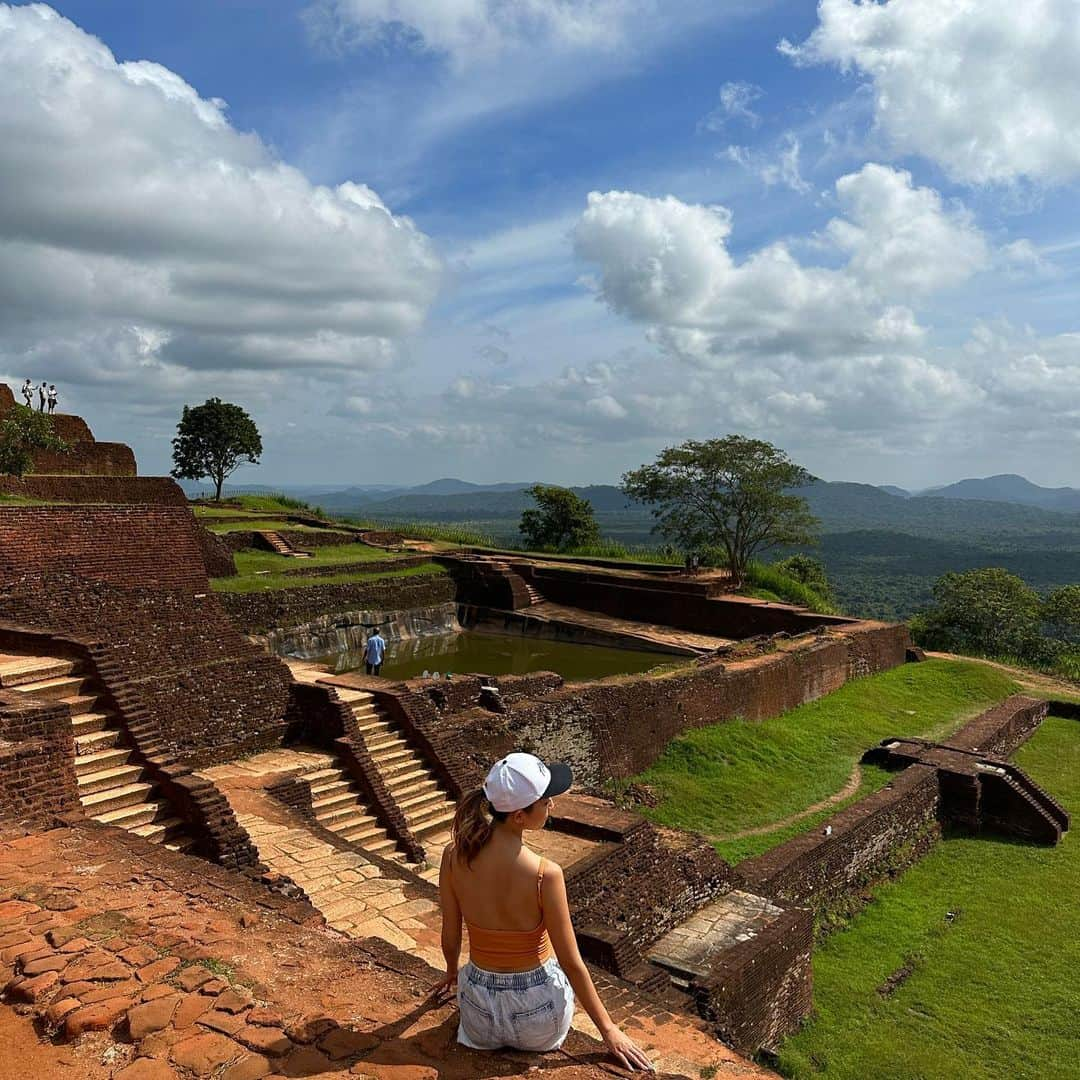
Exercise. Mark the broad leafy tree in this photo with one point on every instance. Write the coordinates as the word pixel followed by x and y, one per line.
pixel 561 519
pixel 809 571
pixel 22 431
pixel 1061 614
pixel 987 611
pixel 214 439
pixel 733 493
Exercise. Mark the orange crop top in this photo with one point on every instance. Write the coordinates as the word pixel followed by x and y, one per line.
pixel 511 950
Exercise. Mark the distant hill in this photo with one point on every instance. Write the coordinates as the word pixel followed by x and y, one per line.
pixel 1008 487
pixel 892 489
pixel 450 486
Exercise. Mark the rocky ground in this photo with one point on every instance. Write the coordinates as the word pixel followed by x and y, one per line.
pixel 121 959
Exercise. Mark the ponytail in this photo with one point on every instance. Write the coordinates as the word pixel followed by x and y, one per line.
pixel 473 825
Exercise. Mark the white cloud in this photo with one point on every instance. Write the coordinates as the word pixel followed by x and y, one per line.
pixel 736 99
pixel 134 212
pixel 990 89
pixel 667 263
pixel 782 169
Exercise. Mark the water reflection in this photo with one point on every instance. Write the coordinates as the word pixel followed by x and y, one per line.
pixel 499 654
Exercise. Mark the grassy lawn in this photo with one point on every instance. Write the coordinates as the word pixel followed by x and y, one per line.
pixel 264 582
pixel 263 525
pixel 740 775
pixel 994 992
pixel 249 561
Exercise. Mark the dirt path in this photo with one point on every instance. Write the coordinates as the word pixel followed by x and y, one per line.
pixel 849 789
pixel 1039 683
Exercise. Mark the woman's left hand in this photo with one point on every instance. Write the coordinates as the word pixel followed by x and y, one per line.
pixel 446 985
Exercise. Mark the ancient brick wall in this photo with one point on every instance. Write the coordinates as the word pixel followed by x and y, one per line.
pixel 879 833
pixel 377 566
pixel 37 754
pixel 308 541
pixel 277 608
pixel 685 605
pixel 629 898
pixel 619 726
pixel 87 459
pixel 129 546
pixel 1000 731
pixel 762 989
pixel 72 429
pixel 152 490
pixel 217 556
pixel 187 682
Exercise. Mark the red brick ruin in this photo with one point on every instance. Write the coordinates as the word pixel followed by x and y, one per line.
pixel 140 725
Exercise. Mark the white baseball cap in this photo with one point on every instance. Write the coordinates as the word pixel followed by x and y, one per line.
pixel 518 780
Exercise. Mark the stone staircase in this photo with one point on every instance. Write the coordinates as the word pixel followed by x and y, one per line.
pixel 426 805
pixel 282 546
pixel 113 787
pixel 535 597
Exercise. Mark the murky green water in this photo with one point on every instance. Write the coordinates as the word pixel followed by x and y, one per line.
pixel 501 654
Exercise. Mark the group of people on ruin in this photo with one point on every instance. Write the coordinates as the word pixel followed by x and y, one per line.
pixel 46 394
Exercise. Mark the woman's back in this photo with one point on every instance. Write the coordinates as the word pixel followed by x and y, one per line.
pixel 499 889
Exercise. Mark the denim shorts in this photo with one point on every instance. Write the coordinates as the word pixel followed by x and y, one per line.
pixel 526 1010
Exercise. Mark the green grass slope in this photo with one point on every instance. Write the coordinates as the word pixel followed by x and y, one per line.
pixel 906 993
pixel 741 775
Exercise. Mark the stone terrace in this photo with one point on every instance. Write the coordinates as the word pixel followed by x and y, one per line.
pixel 163 968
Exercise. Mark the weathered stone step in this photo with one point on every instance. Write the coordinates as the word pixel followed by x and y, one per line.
pixel 403 764
pixel 80 704
pixel 61 686
pixel 382 740
pixel 163 830
pixel 93 720
pixel 117 798
pixel 320 775
pixel 335 799
pixel 406 777
pixel 364 833
pixel 372 723
pixel 410 794
pixel 108 779
pixel 384 757
pixel 181 842
pixel 437 818
pixel 93 741
pixel 340 814
pixel 17 670
pixel 103 759
pixel 129 817
pixel 329 787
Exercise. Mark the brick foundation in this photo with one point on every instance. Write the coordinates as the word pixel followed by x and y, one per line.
pixel 148 490
pixel 37 755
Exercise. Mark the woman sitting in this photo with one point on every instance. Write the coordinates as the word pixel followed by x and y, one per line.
pixel 514 991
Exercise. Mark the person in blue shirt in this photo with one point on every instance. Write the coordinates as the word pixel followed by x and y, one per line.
pixel 373 652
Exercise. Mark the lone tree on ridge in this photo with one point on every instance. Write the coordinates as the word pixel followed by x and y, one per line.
pixel 561 519
pixel 214 439
pixel 22 431
pixel 731 492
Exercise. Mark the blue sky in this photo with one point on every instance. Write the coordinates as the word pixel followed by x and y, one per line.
pixel 541 239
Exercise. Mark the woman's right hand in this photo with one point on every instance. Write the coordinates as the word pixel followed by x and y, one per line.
pixel 626 1052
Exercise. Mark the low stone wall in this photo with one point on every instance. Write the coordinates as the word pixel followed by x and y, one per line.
pixel 761 989
pixel 152 490
pixel 617 727
pixel 37 755
pixel 279 608
pixel 1000 731
pixel 882 832
pixel 378 566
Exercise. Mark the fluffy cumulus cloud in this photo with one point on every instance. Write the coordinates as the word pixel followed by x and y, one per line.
pixel 142 235
pixel 667 263
pixel 990 89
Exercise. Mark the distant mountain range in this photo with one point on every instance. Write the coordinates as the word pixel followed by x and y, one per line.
pixel 992 503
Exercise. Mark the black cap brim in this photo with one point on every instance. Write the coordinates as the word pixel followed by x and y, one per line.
pixel 561 779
